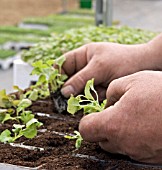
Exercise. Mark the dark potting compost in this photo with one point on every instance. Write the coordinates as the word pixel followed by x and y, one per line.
pixel 50 150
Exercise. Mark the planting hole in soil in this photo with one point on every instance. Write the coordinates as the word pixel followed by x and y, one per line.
pixel 59 101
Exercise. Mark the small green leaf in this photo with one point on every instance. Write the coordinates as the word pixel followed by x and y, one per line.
pixel 33 121
pixel 103 104
pixel 18 128
pixel 26 116
pixel 5 100
pixel 88 87
pixel 16 102
pixel 89 108
pixel 69 137
pixel 18 89
pixel 50 62
pixel 24 103
pixel 33 95
pixel 78 143
pixel 2 116
pixel 31 128
pixel 7 117
pixel 5 136
pixel 63 77
pixel 73 105
pixel 30 131
pixel 59 61
pixel 36 71
pixel 42 79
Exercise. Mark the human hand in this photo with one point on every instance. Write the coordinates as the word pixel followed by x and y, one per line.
pixel 104 62
pixel 132 124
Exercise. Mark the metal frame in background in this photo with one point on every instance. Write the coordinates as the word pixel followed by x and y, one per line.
pixel 104 12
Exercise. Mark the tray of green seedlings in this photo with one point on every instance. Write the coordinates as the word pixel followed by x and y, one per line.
pixel 6 58
pixel 54 46
pixel 58 23
pixel 21 31
pixel 12 37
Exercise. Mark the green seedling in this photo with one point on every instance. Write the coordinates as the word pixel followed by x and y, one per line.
pixel 86 102
pixel 7 101
pixel 29 131
pixel 12 109
pixel 50 80
pixel 89 105
pixel 76 137
pixel 48 75
pixel 17 113
pixel 57 45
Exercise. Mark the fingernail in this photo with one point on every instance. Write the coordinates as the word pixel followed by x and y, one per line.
pixel 67 91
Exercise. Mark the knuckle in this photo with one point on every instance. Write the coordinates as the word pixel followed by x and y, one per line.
pixel 90 45
pixel 112 85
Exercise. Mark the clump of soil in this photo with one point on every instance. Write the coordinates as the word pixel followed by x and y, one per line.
pixel 59 102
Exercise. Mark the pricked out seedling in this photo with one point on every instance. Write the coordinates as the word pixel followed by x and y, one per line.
pixel 13 109
pixel 76 137
pixel 53 79
pixel 86 102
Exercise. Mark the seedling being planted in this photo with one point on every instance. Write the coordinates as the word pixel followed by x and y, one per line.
pixel 88 103
pixel 52 77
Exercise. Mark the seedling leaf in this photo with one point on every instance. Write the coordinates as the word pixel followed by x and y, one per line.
pixel 6 136
pixel 88 87
pixel 24 103
pixel 73 105
pixel 26 116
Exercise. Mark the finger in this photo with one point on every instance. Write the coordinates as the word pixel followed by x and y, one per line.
pixel 77 82
pixel 75 60
pixel 101 126
pixel 115 91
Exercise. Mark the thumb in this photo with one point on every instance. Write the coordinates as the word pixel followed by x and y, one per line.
pixel 100 126
pixel 116 90
pixel 77 82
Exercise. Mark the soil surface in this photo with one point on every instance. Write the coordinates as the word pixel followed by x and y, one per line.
pixel 53 151
pixel 14 11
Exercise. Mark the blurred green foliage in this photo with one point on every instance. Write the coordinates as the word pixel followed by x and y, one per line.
pixel 6 53
pixel 54 46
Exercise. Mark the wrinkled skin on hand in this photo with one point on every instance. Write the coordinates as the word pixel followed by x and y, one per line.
pixel 132 124
pixel 104 62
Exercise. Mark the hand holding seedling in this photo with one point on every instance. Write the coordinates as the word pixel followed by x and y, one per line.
pixel 104 62
pixel 132 124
